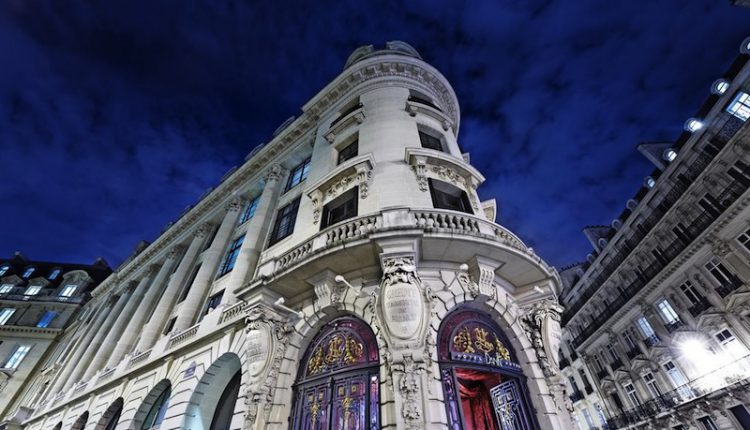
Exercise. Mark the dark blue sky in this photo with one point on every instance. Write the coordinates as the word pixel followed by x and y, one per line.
pixel 116 115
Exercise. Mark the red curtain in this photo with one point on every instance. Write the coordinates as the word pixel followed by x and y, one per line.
pixel 475 398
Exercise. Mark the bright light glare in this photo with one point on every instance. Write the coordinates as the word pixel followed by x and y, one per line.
pixel 692 125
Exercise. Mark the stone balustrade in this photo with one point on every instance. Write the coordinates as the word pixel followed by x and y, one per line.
pixel 182 336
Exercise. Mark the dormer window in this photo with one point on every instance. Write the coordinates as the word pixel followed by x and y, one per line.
pixel 5 288
pixel 430 142
pixel 4 270
pixel 740 106
pixel 68 290
pixel 33 290
pixel 53 274
pixel 298 174
pixel 28 272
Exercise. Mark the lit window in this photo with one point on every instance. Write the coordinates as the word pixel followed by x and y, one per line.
pixel 284 224
pixel 28 272
pixel 692 125
pixel 298 174
pixel 46 319
pixel 231 258
pixel 4 270
pixel 5 288
pixel 730 343
pixel 341 208
pixel 18 355
pixel 250 210
pixel 669 155
pixel 33 290
pixel 720 86
pixel 68 290
pixel 646 330
pixel 348 152
pixel 5 314
pixel 54 274
pixel 667 312
pixel 430 142
pixel 447 196
pixel 649 182
pixel 740 106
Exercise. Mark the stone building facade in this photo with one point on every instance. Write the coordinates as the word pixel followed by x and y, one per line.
pixel 657 322
pixel 40 305
pixel 346 276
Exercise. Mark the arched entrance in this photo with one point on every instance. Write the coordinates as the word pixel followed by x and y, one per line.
pixel 111 416
pixel 81 421
pixel 483 384
pixel 207 410
pixel 57 426
pixel 338 384
pixel 154 407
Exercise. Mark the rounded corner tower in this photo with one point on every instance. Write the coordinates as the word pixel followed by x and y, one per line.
pixel 347 276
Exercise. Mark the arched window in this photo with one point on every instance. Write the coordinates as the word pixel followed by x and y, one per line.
pixel 482 381
pixel 156 414
pixel 223 416
pixel 111 416
pixel 81 421
pixel 338 385
pixel 28 272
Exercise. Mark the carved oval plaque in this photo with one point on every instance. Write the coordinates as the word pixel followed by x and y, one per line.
pixel 258 348
pixel 403 309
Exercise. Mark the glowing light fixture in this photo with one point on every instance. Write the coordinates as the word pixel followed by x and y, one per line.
pixel 669 155
pixel 720 86
pixel 693 124
pixel 745 47
pixel 649 182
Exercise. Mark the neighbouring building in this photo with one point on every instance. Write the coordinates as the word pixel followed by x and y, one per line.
pixel 346 276
pixel 656 327
pixel 40 305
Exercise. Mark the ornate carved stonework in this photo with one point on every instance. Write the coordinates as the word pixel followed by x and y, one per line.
pixel 539 323
pixel 203 230
pixel 268 334
pixel 420 169
pixel 235 204
pixel 449 175
pixel 401 296
pixel 408 373
pixel 340 185
pixel 273 173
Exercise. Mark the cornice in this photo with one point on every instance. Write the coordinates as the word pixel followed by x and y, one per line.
pixel 26 332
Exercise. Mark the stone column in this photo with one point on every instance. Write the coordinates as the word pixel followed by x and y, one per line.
pixel 255 235
pixel 211 259
pixel 707 284
pixel 75 358
pixel 129 317
pixel 726 251
pixel 103 332
pixel 153 328
pixel 116 331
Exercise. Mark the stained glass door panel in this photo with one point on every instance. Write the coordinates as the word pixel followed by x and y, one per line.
pixel 314 404
pixel 350 403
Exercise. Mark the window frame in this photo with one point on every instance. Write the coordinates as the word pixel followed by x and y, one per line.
pixel 303 169
pixel 293 209
pixel 250 209
pixel 6 314
pixel 463 197
pixel 350 195
pixel 6 288
pixel 230 259
pixel 17 356
pixel 73 288
pixel 667 312
pixel 425 141
pixel 739 107
pixel 345 151
pixel 49 316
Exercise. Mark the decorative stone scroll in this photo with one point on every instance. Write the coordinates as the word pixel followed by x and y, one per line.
pixel 355 172
pixel 403 307
pixel 542 326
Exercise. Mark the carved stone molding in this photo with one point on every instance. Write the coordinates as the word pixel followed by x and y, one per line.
pixel 539 323
pixel 401 296
pixel 175 252
pixel 235 204
pixel 354 172
pixel 273 173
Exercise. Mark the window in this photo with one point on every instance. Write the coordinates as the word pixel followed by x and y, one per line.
pixel 298 174
pixel 18 355
pixel 652 385
pixel 4 270
pixel 744 239
pixel 430 142
pixel 250 210
pixel 46 319
pixel 158 410
pixel 33 290
pixel 667 312
pixel 284 225
pixel 632 395
pixel 348 152
pixel 612 353
pixel 598 363
pixel 169 326
pixel 5 288
pixel 5 314
pixel 708 423
pixel 720 272
pixel 730 343
pixel 741 414
pixel 691 293
pixel 447 196
pixel 421 98
pixel 627 335
pixel 646 330
pixel 212 303
pixel 28 272
pixel 341 208
pixel 740 106
pixel 68 290
pixel 231 258
pixel 188 284
pixel 53 274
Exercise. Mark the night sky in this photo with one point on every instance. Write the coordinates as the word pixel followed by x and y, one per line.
pixel 116 115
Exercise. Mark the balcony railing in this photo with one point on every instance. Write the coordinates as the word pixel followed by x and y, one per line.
pixel 699 307
pixel 634 352
pixel 695 169
pixel 674 325
pixel 652 341
pixel 576 396
pixel 736 372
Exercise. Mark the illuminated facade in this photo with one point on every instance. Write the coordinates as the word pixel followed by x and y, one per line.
pixel 346 276
pixel 657 327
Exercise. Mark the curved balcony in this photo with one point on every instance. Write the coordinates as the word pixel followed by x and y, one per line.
pixel 440 231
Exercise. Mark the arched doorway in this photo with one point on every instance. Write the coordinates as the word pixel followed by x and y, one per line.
pixel 338 385
pixel 483 384
pixel 81 421
pixel 154 407
pixel 57 426
pixel 111 416
pixel 207 409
